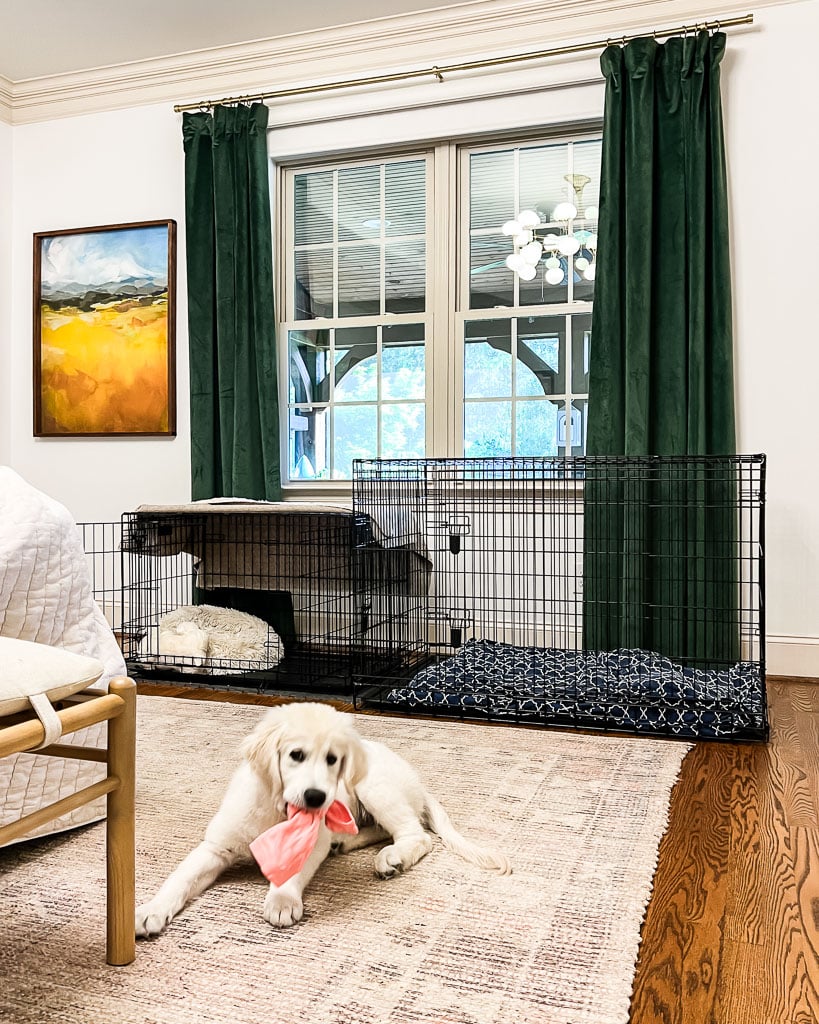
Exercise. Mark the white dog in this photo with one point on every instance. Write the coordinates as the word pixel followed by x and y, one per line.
pixel 208 633
pixel 308 755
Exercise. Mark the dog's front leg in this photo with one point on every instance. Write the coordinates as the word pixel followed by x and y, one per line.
pixel 197 872
pixel 283 905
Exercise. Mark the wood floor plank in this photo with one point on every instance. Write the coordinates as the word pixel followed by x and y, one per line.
pixel 765 965
pixel 681 950
pixel 760 990
pixel 752 847
pixel 796 788
pixel 807 725
pixel 805 696
pixel 805 846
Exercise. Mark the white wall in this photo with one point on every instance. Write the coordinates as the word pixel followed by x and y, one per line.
pixel 111 168
pixel 771 78
pixel 128 166
pixel 6 156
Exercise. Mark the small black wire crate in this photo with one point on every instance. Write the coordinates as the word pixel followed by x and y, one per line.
pixel 252 596
pixel 614 593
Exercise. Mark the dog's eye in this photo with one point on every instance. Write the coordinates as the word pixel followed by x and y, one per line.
pixel 296 755
pixel 331 759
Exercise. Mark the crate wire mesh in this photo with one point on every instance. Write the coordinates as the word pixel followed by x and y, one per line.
pixel 608 593
pixel 101 543
pixel 290 571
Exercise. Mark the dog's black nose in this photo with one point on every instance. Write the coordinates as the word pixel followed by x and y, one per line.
pixel 314 797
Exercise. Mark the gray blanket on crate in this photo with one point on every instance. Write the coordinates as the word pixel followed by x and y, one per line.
pixel 627 689
pixel 273 541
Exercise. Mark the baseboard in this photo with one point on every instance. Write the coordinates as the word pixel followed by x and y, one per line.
pixel 792 656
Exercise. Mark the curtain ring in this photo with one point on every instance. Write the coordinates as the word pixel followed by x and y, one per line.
pixel 623 42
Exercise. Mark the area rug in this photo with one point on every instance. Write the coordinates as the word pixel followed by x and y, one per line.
pixel 556 942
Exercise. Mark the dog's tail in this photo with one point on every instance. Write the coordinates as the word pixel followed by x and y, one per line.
pixel 440 823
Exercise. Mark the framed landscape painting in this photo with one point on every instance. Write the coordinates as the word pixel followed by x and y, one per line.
pixel 104 331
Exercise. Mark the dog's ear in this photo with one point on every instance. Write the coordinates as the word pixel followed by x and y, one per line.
pixel 355 761
pixel 261 749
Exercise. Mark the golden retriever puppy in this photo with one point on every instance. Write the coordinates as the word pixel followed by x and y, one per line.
pixel 307 756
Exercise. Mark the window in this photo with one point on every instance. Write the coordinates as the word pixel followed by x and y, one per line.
pixel 407 331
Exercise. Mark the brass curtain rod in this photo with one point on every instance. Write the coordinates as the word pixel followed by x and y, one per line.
pixel 439 71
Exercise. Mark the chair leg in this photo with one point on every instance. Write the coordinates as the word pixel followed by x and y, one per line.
pixel 120 830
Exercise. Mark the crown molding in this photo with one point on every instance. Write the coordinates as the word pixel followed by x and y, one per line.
pixel 484 28
pixel 6 99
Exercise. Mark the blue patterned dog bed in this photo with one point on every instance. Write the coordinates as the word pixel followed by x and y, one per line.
pixel 627 690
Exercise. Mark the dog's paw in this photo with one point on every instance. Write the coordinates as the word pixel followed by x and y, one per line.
pixel 388 863
pixel 282 908
pixel 151 919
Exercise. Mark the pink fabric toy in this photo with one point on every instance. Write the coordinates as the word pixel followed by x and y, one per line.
pixel 281 851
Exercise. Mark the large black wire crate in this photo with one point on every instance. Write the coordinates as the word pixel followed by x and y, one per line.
pixel 613 593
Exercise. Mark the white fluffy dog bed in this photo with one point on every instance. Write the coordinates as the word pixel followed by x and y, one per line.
pixel 219 638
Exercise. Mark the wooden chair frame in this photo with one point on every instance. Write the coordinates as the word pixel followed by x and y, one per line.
pixel 20 733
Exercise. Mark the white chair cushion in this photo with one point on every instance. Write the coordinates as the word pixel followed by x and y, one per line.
pixel 28 669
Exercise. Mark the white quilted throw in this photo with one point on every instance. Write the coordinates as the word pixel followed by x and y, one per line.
pixel 45 596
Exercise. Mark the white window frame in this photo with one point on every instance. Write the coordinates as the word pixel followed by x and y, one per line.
pixel 447 306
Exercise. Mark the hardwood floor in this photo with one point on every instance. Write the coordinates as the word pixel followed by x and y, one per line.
pixel 732 931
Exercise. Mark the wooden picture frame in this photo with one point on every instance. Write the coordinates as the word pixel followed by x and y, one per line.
pixel 104 316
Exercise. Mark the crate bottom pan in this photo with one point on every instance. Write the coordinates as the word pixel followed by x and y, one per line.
pixel 302 668
pixel 322 669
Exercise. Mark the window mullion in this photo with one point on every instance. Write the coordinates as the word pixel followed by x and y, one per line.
pixel 335 243
pixel 441 402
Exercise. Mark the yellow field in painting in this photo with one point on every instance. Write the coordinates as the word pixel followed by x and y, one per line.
pixel 105 371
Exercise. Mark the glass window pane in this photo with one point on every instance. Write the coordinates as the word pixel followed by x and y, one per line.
pixel 405 277
pixel 314 284
pixel 585 266
pixel 313 207
pixel 309 366
pixel 405 201
pixel 403 366
pixel 537 427
pixel 356 364
pixel 488 359
pixel 491 189
pixel 586 161
pixel 487 429
pixel 581 348
pixel 359 203
pixel 403 431
pixel 359 280
pixel 355 436
pixel 540 291
pixel 541 358
pixel 542 179
pixel 309 443
pixel 491 282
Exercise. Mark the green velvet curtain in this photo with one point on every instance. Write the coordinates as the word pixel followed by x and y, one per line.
pixel 231 323
pixel 659 546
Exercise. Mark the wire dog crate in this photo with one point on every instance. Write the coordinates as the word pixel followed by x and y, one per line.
pixel 252 595
pixel 285 569
pixel 613 593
